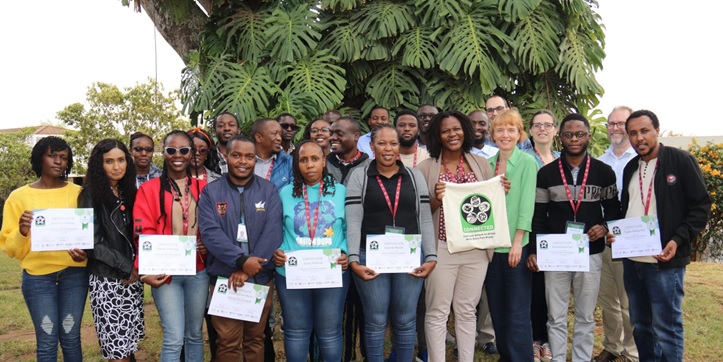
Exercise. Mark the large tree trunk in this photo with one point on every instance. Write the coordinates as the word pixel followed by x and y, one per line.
pixel 182 35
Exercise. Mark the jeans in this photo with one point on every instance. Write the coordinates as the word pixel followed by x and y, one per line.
pixel 306 310
pixel 389 296
pixel 181 305
pixel 655 297
pixel 509 291
pixel 56 302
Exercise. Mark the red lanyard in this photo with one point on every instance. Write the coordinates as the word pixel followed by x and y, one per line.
pixel 393 210
pixel 414 164
pixel 271 168
pixel 312 227
pixel 356 157
pixel 575 206
pixel 184 205
pixel 646 203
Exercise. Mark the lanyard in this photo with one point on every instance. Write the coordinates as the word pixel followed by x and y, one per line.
pixel 394 209
pixel 312 227
pixel 184 205
pixel 646 203
pixel 575 206
pixel 241 202
pixel 347 162
pixel 414 163
pixel 271 168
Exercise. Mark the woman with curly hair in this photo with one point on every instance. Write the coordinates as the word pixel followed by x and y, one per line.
pixel 320 200
pixel 205 157
pixel 116 294
pixel 168 205
pixel 54 283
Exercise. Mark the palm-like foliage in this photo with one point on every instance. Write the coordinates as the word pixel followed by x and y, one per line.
pixel 304 57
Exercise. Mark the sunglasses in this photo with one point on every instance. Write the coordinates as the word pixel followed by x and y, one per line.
pixel 172 150
pixel 141 149
pixel 288 126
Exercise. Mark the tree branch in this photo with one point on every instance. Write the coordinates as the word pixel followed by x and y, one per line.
pixel 182 35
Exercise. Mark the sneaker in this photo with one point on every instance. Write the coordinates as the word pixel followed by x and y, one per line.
pixel 622 358
pixel 392 356
pixel 490 348
pixel 422 356
pixel 545 352
pixel 536 351
pixel 455 352
pixel 604 356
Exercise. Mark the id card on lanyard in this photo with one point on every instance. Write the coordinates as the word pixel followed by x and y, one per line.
pixel 575 205
pixel 392 229
pixel 242 236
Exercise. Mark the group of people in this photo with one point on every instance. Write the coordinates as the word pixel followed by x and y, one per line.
pixel 250 201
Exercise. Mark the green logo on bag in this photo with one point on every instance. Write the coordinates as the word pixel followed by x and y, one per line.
pixel 476 214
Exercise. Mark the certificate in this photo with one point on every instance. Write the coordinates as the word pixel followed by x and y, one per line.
pixel 563 252
pixel 635 236
pixel 311 269
pixel 246 303
pixel 167 254
pixel 61 229
pixel 393 253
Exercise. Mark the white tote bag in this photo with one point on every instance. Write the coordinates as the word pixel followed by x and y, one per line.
pixel 475 216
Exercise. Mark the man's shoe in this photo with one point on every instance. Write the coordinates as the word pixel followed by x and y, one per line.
pixel 622 359
pixel 490 348
pixel 545 352
pixel 392 356
pixel 536 351
pixel 604 356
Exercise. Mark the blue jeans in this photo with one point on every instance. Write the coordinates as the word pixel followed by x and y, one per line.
pixel 306 310
pixel 655 296
pixel 56 302
pixel 509 294
pixel 181 306
pixel 394 297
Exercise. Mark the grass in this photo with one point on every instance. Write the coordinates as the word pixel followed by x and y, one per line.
pixel 702 315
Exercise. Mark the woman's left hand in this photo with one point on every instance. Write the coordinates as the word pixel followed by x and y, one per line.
pixel 515 254
pixel 200 247
pixel 78 255
pixel 132 278
pixel 424 269
pixel 343 260
pixel 506 183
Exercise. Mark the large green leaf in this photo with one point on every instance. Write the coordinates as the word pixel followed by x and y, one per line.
pixel 536 38
pixel 464 95
pixel 417 47
pixel 245 91
pixel 384 18
pixel 341 5
pixel 437 13
pixel 343 40
pixel 514 10
pixel 301 105
pixel 573 63
pixel 292 34
pixel 392 86
pixel 244 31
pixel 319 76
pixel 376 50
pixel 468 47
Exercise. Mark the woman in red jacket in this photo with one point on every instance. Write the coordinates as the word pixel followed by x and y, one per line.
pixel 167 205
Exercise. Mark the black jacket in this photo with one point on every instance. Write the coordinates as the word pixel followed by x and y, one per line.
pixel 114 250
pixel 683 203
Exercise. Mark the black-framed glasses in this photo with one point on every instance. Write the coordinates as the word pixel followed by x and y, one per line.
pixel 289 126
pixel 324 130
pixel 547 126
pixel 615 124
pixel 578 134
pixel 141 149
pixel 172 150
pixel 496 109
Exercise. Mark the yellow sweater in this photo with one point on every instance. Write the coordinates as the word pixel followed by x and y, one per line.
pixel 18 246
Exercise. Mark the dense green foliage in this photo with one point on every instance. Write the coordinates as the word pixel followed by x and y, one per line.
pixel 15 158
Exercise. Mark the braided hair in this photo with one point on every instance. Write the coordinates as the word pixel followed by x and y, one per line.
pixel 298 182
pixel 171 184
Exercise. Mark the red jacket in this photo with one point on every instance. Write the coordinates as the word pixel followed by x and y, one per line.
pixel 147 210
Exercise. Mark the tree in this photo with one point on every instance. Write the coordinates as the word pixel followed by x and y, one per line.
pixel 113 113
pixel 15 158
pixel 710 240
pixel 258 58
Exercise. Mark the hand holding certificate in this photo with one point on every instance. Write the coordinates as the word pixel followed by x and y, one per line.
pixel 393 253
pixel 245 303
pixel 563 252
pixel 311 269
pixel 635 236
pixel 61 229
pixel 167 254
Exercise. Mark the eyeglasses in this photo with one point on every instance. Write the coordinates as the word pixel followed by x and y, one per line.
pixel 615 124
pixel 289 126
pixel 201 151
pixel 496 109
pixel 425 115
pixel 547 126
pixel 141 149
pixel 324 130
pixel 579 134
pixel 172 150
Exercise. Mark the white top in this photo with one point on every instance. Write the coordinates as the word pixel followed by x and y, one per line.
pixel 618 164
pixel 636 208
pixel 486 151
pixel 262 167
pixel 408 160
pixel 364 145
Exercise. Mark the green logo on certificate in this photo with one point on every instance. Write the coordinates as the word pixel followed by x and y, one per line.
pixel 261 293
pixel 476 214
pixel 651 222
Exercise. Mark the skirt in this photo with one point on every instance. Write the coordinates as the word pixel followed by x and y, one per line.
pixel 118 315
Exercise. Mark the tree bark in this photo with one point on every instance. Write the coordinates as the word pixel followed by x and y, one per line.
pixel 182 34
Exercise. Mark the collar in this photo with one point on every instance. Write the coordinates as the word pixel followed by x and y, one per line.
pixel 273 157
pixel 568 166
pixel 372 171
pixel 629 151
pixel 235 187
pixel 514 157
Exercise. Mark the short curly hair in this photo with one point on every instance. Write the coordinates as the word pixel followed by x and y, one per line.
pixel 52 144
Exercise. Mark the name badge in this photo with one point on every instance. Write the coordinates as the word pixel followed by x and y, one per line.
pixel 394 229
pixel 241 234
pixel 575 228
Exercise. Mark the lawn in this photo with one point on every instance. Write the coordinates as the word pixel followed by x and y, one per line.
pixel 702 307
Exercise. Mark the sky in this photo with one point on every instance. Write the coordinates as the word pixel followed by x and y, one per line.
pixel 661 56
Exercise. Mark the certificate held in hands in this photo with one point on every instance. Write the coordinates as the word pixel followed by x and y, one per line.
pixel 563 252
pixel 635 236
pixel 61 229
pixel 393 253
pixel 167 254
pixel 311 269
pixel 246 303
